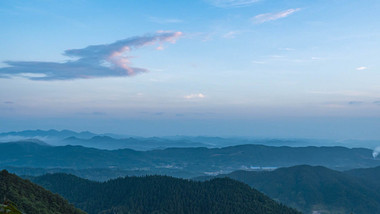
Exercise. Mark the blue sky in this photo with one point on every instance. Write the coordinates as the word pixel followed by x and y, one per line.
pixel 263 68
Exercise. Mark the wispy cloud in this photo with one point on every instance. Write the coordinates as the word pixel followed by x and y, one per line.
pixel 94 61
pixel 361 68
pixel 316 58
pixel 266 17
pixel 193 96
pixel 231 34
pixel 164 20
pixel 258 62
pixel 287 49
pixel 232 3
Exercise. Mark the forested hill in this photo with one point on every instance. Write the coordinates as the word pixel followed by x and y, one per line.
pixel 318 189
pixel 31 198
pixel 196 160
pixel 161 194
pixel 369 176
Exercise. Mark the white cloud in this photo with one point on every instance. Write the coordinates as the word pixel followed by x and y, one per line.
pixel 276 56
pixel 316 58
pixel 266 17
pixel 362 68
pixel 287 49
pixel 376 152
pixel 258 62
pixel 231 34
pixel 193 96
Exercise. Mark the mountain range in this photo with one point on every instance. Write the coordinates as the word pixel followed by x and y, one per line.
pixel 187 162
pixel 117 141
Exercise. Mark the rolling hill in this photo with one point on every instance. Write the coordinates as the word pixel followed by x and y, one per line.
pixel 161 194
pixel 317 189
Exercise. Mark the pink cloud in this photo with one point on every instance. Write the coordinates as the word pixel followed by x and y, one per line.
pixel 266 17
pixel 93 61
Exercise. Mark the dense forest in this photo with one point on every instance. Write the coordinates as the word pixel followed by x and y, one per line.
pixel 161 194
pixel 30 198
pixel 309 188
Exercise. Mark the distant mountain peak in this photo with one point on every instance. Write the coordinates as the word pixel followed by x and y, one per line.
pixel 51 133
pixel 33 141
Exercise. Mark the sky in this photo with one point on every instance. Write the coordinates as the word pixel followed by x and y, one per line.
pixel 260 68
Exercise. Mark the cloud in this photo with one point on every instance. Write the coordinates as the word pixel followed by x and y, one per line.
pixel 258 62
pixel 266 17
pixel 362 68
pixel 193 96
pixel 160 48
pixel 232 3
pixel 231 34
pixel 287 49
pixel 376 152
pixel 316 58
pixel 94 61
pixel 376 102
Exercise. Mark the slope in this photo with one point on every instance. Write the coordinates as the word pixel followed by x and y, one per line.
pixel 31 198
pixel 309 189
pixel 161 194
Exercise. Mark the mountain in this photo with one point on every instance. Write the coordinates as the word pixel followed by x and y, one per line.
pixel 52 133
pixel 190 162
pixel 369 176
pixel 141 144
pixel 31 198
pixel 161 194
pixel 104 141
pixel 314 189
pixel 98 174
pixel 113 141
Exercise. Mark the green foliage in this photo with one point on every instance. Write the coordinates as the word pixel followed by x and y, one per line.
pixel 161 194
pixel 31 198
pixel 369 176
pixel 9 207
pixel 310 188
